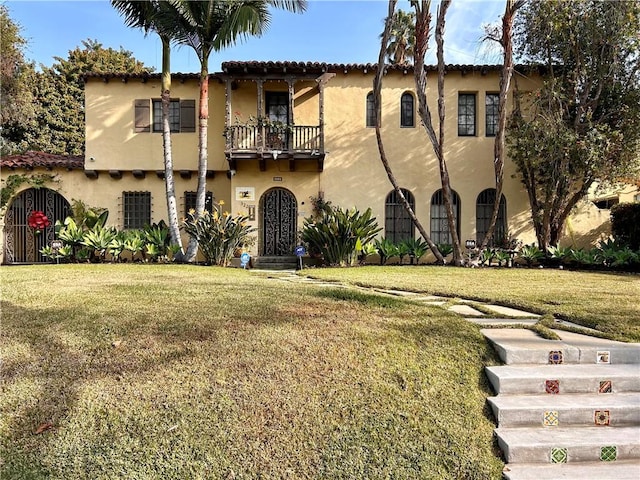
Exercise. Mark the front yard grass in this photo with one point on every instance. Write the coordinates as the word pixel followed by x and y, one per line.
pixel 175 372
pixel 608 302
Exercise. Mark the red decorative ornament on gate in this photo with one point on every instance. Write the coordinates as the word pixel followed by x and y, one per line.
pixel 38 221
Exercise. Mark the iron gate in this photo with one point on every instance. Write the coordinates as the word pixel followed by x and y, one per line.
pixel 21 243
pixel 279 216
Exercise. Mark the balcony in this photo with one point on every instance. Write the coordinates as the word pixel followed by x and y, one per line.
pixel 292 143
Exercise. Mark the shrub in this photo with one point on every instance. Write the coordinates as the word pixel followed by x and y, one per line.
pixel 625 224
pixel 386 249
pixel 416 248
pixel 445 249
pixel 530 254
pixel 338 234
pixel 218 233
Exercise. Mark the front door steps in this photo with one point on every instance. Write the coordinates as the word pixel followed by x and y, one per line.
pixel 566 408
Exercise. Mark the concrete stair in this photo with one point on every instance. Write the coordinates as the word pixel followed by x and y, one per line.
pixel 566 408
pixel 289 262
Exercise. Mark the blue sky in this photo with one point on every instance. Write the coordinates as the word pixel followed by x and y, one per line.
pixel 333 31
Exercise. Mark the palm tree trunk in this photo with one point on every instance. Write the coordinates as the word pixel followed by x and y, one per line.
pixel 506 74
pixel 377 88
pixel 203 124
pixel 172 208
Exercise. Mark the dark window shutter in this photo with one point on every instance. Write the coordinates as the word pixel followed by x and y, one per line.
pixel 188 116
pixel 143 117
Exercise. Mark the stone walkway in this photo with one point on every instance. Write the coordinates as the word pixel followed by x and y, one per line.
pixel 566 409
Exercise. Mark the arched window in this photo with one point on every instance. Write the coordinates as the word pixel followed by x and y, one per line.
pixel 407 111
pixel 484 210
pixel 371 112
pixel 398 226
pixel 439 225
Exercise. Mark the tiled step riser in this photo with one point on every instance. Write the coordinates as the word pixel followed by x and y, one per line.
pixel 536 386
pixel 605 417
pixel 571 454
pixel 568 355
pixel 618 470
pixel 592 379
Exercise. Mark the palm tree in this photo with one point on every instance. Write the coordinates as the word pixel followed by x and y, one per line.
pixel 161 17
pixel 213 25
pixel 401 37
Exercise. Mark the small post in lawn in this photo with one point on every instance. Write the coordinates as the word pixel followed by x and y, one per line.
pixel 300 251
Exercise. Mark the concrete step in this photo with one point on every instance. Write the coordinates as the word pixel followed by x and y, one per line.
pixel 532 379
pixel 568 445
pixel 275 263
pixel 618 470
pixel 518 346
pixel 564 410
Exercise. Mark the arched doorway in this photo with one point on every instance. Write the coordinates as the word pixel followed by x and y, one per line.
pixel 398 225
pixel 484 212
pixel 21 243
pixel 278 218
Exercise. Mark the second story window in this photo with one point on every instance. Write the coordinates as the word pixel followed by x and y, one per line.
pixel 174 115
pixel 371 112
pixel 407 110
pixel 466 114
pixel 491 103
pixel 148 115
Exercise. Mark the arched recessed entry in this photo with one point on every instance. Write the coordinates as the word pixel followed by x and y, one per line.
pixel 398 225
pixel 278 222
pixel 21 243
pixel 484 211
pixel 439 222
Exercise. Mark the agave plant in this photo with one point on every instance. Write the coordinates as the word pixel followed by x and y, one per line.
pixel 386 249
pixel 417 248
pixel 486 256
pixel 530 254
pixel 98 240
pixel 134 242
pixel 502 257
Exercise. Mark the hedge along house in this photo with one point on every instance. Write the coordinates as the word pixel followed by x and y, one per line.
pixel 284 133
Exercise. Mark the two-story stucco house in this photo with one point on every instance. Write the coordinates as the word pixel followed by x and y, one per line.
pixel 325 148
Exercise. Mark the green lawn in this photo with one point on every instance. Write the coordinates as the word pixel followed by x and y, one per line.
pixel 176 372
pixel 609 302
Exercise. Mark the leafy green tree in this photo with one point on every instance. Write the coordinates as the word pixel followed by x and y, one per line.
pixel 583 124
pixel 55 119
pixel 16 107
pixel 214 25
pixel 161 17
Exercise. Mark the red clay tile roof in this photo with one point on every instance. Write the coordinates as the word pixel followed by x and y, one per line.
pixel 311 67
pixel 42 159
pixel 281 67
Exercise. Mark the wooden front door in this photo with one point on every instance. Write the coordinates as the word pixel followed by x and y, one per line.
pixel 279 222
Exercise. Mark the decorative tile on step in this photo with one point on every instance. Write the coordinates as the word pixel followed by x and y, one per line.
pixel 556 357
pixel 605 386
pixel 558 455
pixel 603 356
pixel 551 418
pixel 609 453
pixel 602 417
pixel 552 386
